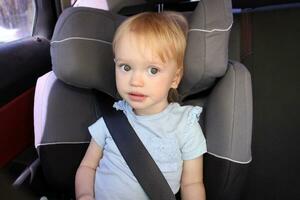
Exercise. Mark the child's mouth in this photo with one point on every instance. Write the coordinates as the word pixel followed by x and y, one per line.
pixel 136 97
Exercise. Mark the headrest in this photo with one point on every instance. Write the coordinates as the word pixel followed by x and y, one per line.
pixel 82 54
pixel 206 54
pixel 81 49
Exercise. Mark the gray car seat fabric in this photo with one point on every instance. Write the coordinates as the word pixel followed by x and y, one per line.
pixel 229 116
pixel 62 114
pixel 207 46
pixel 83 36
pixel 83 62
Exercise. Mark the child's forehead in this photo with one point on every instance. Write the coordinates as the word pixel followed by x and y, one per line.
pixel 141 60
pixel 136 40
pixel 151 48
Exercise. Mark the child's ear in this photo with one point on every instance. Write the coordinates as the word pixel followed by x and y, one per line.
pixel 177 78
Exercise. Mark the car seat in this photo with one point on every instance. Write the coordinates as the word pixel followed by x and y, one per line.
pixel 82 62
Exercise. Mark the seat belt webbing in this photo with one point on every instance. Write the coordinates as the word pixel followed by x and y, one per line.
pixel 134 152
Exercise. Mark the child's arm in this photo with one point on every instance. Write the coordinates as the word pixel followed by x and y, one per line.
pixel 192 186
pixel 85 175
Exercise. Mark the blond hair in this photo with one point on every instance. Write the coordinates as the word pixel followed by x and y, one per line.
pixel 164 33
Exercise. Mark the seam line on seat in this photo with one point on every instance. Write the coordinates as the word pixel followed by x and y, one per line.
pixel 230 159
pixel 80 38
pixel 212 30
pixel 54 143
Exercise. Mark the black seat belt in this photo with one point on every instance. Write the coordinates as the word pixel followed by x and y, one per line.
pixel 134 152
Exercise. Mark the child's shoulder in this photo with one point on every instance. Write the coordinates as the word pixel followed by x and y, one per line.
pixel 176 107
pixel 186 112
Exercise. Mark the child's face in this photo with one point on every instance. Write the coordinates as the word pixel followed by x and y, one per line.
pixel 142 79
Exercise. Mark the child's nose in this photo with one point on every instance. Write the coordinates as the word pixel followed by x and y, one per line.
pixel 137 79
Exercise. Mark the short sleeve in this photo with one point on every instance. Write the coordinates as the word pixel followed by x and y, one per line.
pixel 99 131
pixel 194 143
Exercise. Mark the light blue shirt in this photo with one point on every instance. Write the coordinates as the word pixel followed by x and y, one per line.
pixel 170 136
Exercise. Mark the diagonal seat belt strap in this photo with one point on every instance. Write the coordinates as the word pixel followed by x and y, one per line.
pixel 134 152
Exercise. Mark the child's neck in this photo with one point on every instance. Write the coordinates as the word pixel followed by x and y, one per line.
pixel 145 112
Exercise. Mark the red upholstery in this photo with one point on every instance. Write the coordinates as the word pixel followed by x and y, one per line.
pixel 16 126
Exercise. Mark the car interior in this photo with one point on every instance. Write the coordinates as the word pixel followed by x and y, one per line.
pixel 241 66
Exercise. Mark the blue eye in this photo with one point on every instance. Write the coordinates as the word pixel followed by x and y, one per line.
pixel 152 70
pixel 125 67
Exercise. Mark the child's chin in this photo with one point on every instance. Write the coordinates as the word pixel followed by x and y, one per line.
pixel 137 105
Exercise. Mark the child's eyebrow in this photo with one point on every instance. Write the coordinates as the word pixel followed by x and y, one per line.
pixel 148 63
pixel 120 60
